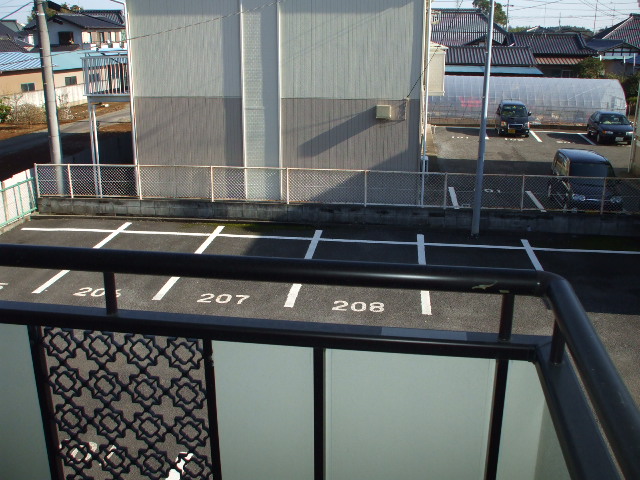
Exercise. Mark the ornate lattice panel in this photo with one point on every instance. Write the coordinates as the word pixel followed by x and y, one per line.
pixel 128 406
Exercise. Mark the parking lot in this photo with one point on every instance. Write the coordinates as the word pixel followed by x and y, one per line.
pixel 602 270
pixel 457 150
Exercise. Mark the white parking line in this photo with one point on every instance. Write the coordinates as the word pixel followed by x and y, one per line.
pixel 587 139
pixel 295 288
pixel 425 300
pixel 454 197
pixel 535 201
pixel 532 256
pixel 62 273
pixel 533 134
pixel 425 296
pixel 293 295
pixel 173 280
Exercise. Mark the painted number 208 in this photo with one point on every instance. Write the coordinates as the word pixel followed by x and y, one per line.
pixel 342 306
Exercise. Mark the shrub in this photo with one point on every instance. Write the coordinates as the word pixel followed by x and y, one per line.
pixel 27 114
pixel 5 110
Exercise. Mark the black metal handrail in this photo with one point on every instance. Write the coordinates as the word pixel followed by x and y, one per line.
pixel 611 400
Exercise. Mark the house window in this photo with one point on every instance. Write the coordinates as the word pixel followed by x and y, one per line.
pixel 65 38
pixel 28 87
pixel 70 80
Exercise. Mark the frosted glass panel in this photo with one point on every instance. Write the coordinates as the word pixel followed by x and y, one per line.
pixel 265 411
pixel 392 416
pixel 23 453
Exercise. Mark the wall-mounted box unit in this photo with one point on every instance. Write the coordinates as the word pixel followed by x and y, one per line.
pixel 383 112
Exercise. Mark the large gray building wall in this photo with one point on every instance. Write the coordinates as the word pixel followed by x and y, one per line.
pixel 336 60
pixel 345 134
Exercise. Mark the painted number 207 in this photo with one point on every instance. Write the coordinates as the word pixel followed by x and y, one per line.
pixel 343 306
pixel 222 298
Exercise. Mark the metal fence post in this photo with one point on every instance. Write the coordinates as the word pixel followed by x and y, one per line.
pixel 604 192
pixel 365 187
pixel 37 181
pixel 522 193
pixel 213 195
pixel 69 179
pixel 288 190
pixel 444 196
pixel 138 172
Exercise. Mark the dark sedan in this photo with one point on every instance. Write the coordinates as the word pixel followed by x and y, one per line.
pixel 609 127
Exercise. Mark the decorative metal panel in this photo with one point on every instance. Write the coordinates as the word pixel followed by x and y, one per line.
pixel 128 406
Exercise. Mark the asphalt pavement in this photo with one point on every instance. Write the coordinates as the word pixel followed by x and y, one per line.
pixel 602 270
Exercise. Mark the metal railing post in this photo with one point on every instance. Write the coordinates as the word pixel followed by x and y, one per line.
pixel 604 192
pixel 522 193
pixel 213 195
pixel 365 187
pixel 138 171
pixel 444 196
pixel 288 188
pixel 69 179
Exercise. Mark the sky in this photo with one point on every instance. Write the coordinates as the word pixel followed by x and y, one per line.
pixel 545 13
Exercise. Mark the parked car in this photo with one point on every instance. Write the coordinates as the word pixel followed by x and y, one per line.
pixel 608 126
pixel 512 117
pixel 584 181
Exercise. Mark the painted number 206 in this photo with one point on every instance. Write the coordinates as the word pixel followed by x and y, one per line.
pixel 343 306
pixel 93 292
pixel 222 298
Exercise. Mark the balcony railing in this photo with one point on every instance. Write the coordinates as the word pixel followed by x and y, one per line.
pixel 106 73
pixel 142 394
pixel 330 186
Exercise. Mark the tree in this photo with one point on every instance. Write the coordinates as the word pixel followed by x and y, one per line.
pixel 591 68
pixel 499 16
pixel 51 9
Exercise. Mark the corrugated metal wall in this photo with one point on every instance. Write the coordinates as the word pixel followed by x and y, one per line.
pixel 312 83
pixel 351 49
pixel 322 133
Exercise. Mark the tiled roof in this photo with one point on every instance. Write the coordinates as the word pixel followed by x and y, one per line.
pixel 13 61
pixel 504 56
pixel 602 45
pixel 115 16
pixel 458 27
pixel 8 44
pixel 568 44
pixel 628 30
pixel 100 19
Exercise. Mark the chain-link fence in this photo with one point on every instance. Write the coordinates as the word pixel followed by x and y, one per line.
pixel 359 187
pixel 17 201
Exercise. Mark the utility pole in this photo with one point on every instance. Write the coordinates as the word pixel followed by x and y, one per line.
pixel 477 197
pixel 51 109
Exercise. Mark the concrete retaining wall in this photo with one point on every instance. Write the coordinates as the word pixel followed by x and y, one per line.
pixel 491 220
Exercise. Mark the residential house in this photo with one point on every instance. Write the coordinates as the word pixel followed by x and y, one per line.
pixel 505 61
pixel 89 29
pixel 12 41
pixel 311 83
pixel 21 77
pixel 556 54
pixel 619 57
pixel 628 31
pixel 456 27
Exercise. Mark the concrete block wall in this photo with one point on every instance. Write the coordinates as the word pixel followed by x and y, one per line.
pixel 491 220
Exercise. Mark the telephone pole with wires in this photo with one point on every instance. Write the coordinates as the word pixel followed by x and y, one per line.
pixel 51 109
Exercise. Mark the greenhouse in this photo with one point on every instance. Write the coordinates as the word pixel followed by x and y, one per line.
pixel 551 101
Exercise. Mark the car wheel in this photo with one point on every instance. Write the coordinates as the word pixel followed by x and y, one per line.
pixel 598 138
pixel 588 133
